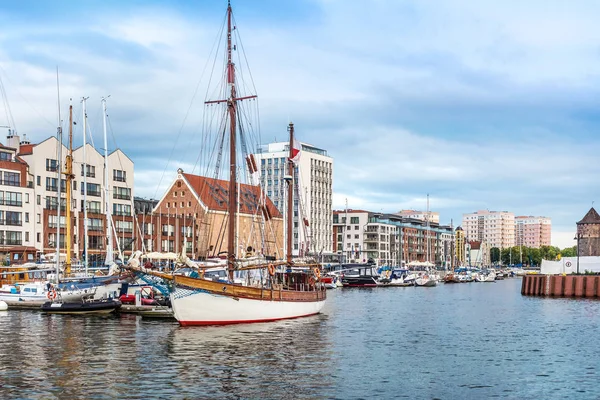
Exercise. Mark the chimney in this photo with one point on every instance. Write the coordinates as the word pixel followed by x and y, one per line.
pixel 12 140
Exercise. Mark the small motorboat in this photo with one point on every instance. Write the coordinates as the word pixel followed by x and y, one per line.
pixel 102 306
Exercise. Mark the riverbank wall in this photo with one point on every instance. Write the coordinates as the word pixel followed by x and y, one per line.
pixel 561 285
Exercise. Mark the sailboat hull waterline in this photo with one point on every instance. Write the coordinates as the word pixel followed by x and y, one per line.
pixel 234 304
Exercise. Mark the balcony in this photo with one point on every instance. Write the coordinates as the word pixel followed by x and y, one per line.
pixel 167 233
pixel 125 230
pixel 94 210
pixel 7 182
pixel 52 188
pixel 14 222
pixel 121 213
pixel 95 228
pixel 92 192
pixel 13 242
pixel 15 203
pixel 119 196
pixel 119 178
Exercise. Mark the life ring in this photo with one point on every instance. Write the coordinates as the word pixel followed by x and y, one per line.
pixel 317 272
pixel 271 268
pixel 51 294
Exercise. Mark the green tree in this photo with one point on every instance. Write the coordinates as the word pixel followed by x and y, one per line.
pixel 569 252
pixel 494 254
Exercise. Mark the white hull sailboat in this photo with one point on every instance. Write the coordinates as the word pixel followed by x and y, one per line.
pixel 290 292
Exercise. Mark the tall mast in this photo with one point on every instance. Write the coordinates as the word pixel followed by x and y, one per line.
pixel 85 205
pixel 290 199
pixel 109 246
pixel 59 184
pixel 69 177
pixel 232 111
pixel 427 232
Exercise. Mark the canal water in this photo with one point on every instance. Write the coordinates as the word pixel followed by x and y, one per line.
pixel 461 341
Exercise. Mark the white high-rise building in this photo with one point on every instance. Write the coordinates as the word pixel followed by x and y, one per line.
pixel 495 228
pixel 313 178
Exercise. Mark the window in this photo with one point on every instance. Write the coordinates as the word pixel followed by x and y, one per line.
pixel 53 220
pixel 354 220
pixel 27 236
pixel 38 237
pixel 13 199
pixel 51 184
pixel 119 176
pixel 39 180
pixel 93 189
pixel 75 185
pixel 90 170
pixel 355 236
pixel 95 224
pixel 13 238
pixel 124 226
pixel 121 209
pixel 51 165
pixel 52 203
pixel 5 156
pixel 174 194
pixel 11 179
pixel 39 200
pixel 121 193
pixel 189 203
pixel 27 198
pixel 27 219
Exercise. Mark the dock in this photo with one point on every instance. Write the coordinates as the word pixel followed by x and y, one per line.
pixel 561 285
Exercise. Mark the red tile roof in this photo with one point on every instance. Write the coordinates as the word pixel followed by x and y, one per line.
pixel 214 194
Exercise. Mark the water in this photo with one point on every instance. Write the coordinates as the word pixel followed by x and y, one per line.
pixel 461 341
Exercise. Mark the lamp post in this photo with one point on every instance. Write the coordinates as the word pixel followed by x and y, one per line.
pixel 577 237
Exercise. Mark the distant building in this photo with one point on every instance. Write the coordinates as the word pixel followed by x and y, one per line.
pixel 495 228
pixel 313 196
pixel 533 231
pixel 420 215
pixel 588 234
pixel 388 238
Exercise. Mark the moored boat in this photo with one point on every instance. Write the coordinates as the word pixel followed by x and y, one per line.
pixel 103 306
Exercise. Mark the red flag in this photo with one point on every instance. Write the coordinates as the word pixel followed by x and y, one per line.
pixel 296 150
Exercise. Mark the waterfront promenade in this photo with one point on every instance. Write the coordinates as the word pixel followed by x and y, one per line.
pixel 464 341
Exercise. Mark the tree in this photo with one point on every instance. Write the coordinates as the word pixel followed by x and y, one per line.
pixel 569 252
pixel 494 254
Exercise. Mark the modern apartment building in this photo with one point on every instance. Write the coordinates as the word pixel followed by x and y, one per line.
pixel 495 228
pixel 313 177
pixel 420 215
pixel 388 238
pixel 533 231
pixel 40 197
pixel 17 222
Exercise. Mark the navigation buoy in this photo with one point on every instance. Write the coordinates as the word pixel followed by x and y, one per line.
pixel 3 306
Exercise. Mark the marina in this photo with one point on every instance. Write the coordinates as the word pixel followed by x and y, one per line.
pixel 452 342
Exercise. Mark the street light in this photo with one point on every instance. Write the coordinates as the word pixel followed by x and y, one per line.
pixel 577 237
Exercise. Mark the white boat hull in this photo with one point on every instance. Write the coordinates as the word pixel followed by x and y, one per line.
pixel 194 307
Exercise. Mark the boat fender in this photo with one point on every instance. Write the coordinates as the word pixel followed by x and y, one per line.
pixel 51 294
pixel 271 268
pixel 317 272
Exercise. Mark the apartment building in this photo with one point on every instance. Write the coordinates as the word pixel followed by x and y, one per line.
pixel 495 228
pixel 42 197
pixel 388 238
pixel 430 216
pixel 17 222
pixel 313 177
pixel 533 231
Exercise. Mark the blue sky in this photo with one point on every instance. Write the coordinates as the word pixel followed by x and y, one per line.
pixel 483 105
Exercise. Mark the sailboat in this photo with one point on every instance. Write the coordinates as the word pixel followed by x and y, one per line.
pixel 427 279
pixel 283 289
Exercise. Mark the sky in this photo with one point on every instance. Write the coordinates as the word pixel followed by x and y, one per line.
pixel 482 105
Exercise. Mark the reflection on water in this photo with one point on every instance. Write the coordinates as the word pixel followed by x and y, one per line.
pixel 450 342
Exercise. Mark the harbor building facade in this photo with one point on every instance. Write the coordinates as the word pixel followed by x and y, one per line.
pixel 495 228
pixel 313 177
pixel 533 231
pixel 17 222
pixel 39 200
pixel 459 246
pixel 389 239
pixel 193 213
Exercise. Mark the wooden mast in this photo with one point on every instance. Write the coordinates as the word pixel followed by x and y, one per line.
pixel 290 199
pixel 68 177
pixel 232 111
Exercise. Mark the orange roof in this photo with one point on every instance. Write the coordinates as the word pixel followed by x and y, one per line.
pixel 214 194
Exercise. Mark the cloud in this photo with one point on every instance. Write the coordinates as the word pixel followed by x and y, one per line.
pixel 482 105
